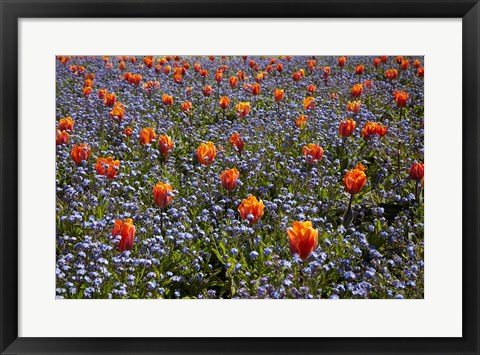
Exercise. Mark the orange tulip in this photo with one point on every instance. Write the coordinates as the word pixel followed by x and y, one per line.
pixel 177 78
pixel 405 64
pixel 326 72
pixel 121 65
pixel 133 79
pixel 399 59
pixel 353 106
pixel 218 76
pixel 360 167
pixel 229 179
pixel 259 78
pixel 357 90
pixel 372 128
pixel 207 91
pixel 255 89
pixel 88 83
pixel 347 127
pixel 65 124
pixel 107 167
pixel 376 62
pixel 278 95
pixel 147 135
pixel 80 153
pixel 247 88
pixel 151 85
pixel 309 103
pixel 233 82
pixel 148 61
pixel 101 93
pixel 203 73
pixel 109 99
pixel 359 69
pixel 237 142
pixel 421 72
pixel 301 121
pixel 401 98
pixel 206 153
pixel 311 88
pixel 128 131
pixel 279 67
pixel 354 180
pixel 61 137
pixel 241 75
pixel 165 145
pixel 162 194
pixel 167 100
pixel 297 76
pixel 251 209
pixel 417 171
pixel 127 231
pixel 87 91
pixel 368 84
pixel 313 153
pixel 303 239
pixel 391 74
pixel 224 102
pixel 118 111
pixel 341 62
pixel 417 64
pixel 383 59
pixel 243 108
pixel 186 106
pixel 311 64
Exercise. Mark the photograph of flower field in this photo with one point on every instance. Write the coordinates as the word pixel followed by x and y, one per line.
pixel 250 177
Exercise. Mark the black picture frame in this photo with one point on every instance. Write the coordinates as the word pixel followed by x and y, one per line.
pixel 12 11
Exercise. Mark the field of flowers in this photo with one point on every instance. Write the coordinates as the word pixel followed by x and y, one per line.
pixel 239 177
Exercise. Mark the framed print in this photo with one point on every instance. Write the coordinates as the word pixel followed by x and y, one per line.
pixel 222 183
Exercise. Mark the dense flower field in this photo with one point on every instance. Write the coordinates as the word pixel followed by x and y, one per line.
pixel 239 177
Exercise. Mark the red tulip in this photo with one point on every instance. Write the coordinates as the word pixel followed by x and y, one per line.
pixel 417 171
